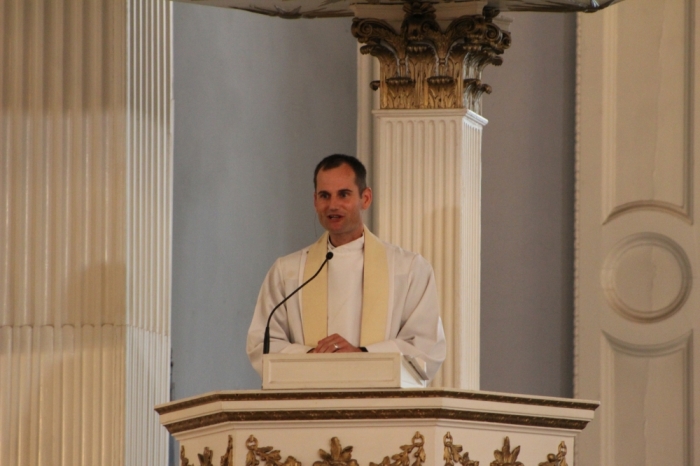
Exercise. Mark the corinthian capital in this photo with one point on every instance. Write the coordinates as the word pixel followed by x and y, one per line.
pixel 423 66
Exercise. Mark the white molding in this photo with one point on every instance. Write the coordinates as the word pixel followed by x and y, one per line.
pixel 676 265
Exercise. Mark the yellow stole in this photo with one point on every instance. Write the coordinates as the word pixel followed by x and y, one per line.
pixel 375 293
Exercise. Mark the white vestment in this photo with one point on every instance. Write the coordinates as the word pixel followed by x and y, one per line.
pixel 413 327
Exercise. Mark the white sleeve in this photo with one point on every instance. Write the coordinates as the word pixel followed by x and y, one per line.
pixel 420 333
pixel 272 292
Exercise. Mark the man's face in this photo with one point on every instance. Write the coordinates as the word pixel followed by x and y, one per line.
pixel 338 203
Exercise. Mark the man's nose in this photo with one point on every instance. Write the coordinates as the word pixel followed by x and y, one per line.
pixel 333 202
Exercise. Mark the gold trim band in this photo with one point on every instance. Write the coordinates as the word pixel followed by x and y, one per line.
pixel 374 394
pixel 367 414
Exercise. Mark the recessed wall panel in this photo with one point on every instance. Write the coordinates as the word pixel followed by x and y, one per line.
pixel 646 108
pixel 646 390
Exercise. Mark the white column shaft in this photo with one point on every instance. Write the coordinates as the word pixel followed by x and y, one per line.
pixel 85 207
pixel 427 169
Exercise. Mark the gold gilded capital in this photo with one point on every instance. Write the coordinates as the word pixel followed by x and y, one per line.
pixel 423 66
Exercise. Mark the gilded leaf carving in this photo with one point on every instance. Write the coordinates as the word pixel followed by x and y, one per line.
pixel 415 450
pixel 557 460
pixel 338 456
pixel 268 455
pixel 422 66
pixel 227 459
pixel 184 461
pixel 506 457
pixel 453 453
pixel 205 457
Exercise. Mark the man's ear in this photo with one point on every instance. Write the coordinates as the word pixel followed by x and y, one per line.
pixel 366 198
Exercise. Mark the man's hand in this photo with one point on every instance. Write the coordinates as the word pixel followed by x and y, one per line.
pixel 335 344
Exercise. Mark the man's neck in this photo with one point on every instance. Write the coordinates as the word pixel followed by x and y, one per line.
pixel 339 240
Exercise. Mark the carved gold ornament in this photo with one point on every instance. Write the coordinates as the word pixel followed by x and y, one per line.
pixel 337 457
pixel 267 455
pixel 246 415
pixel 227 459
pixel 424 67
pixel 412 454
pixel 505 457
pixel 557 460
pixel 184 460
pixel 205 457
pixel 453 453
pixel 404 458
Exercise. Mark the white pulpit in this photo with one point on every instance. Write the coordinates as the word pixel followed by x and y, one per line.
pixel 346 370
pixel 380 427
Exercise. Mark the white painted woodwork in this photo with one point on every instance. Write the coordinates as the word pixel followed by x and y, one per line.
pixel 376 426
pixel 427 180
pixel 341 371
pixel 659 411
pixel 637 309
pixel 367 101
pixel 85 208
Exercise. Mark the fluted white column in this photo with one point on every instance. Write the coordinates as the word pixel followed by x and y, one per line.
pixel 85 207
pixel 427 182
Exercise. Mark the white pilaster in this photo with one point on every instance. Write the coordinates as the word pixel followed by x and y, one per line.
pixel 85 207
pixel 427 180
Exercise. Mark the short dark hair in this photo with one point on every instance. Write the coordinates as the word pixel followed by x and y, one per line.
pixel 336 160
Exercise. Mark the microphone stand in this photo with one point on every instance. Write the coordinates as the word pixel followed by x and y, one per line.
pixel 266 340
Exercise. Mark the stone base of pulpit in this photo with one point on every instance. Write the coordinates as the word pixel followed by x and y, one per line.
pixel 375 427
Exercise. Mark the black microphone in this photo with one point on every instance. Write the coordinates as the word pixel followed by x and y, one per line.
pixel 266 341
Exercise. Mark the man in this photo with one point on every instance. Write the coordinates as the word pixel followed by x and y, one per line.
pixel 372 296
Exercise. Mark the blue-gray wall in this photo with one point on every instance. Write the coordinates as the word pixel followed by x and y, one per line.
pixel 258 101
pixel 527 243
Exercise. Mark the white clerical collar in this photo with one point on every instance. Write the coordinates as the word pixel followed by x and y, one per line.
pixel 354 245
